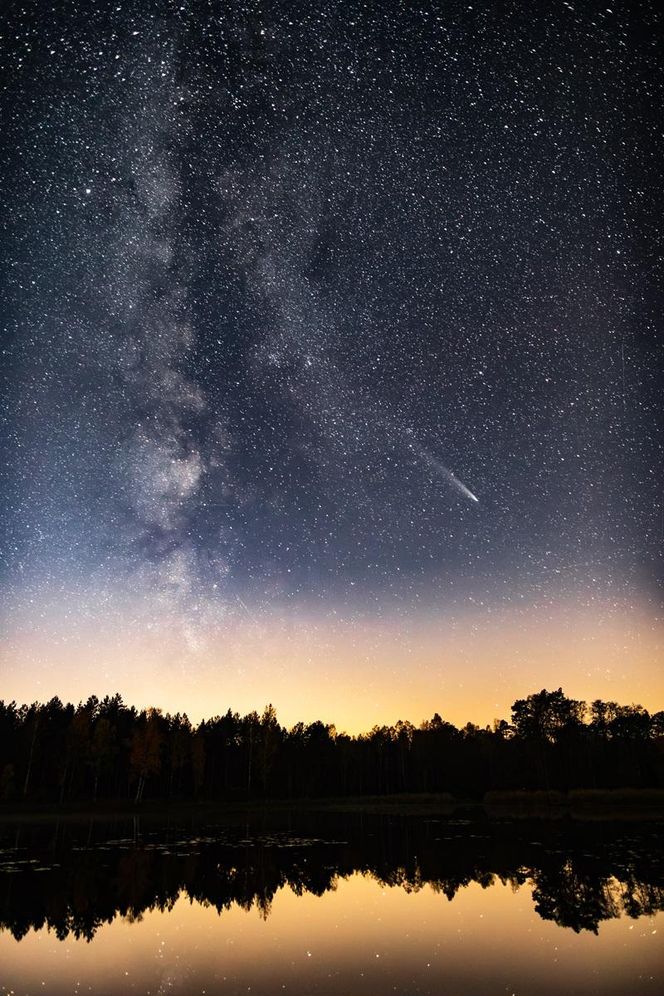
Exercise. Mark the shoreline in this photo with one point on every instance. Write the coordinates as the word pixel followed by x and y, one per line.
pixel 578 803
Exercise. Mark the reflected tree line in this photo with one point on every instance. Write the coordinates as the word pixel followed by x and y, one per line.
pixel 104 749
pixel 75 886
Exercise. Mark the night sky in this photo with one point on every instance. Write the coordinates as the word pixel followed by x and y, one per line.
pixel 330 355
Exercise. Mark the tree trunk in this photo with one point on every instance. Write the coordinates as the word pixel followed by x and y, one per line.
pixel 32 750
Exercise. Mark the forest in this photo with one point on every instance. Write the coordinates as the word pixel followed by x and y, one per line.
pixel 103 749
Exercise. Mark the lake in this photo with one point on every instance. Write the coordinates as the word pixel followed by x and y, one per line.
pixel 457 903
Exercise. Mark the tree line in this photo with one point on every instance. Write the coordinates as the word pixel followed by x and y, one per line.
pixel 103 749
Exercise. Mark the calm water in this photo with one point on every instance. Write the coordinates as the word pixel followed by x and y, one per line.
pixel 346 904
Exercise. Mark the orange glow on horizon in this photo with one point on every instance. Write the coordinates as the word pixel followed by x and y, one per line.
pixel 355 673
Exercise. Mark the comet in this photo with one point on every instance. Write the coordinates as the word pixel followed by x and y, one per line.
pixel 439 467
pixel 460 486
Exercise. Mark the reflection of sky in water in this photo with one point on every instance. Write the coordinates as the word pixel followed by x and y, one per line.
pixel 359 938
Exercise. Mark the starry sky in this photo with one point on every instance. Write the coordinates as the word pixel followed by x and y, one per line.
pixel 331 365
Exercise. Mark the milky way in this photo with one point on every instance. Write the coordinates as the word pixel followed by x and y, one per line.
pixel 267 267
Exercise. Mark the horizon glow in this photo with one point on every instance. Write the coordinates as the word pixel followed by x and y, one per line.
pixel 281 287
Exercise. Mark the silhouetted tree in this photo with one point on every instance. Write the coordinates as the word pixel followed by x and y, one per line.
pixel 146 743
pixel 105 749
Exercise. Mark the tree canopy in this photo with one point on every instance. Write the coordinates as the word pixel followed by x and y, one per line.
pixel 104 749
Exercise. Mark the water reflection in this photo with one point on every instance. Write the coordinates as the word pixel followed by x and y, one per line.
pixel 73 877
